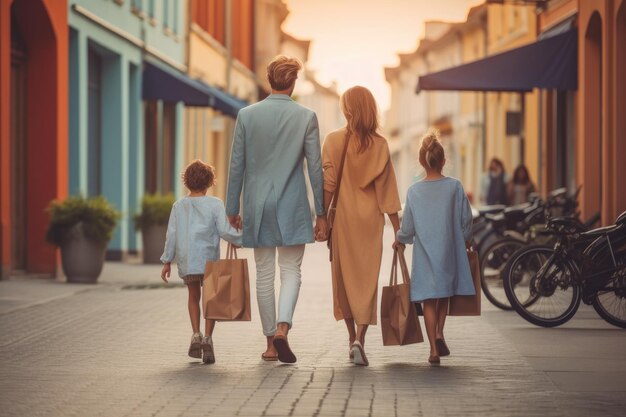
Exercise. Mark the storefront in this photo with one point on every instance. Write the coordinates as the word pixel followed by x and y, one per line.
pixel 33 127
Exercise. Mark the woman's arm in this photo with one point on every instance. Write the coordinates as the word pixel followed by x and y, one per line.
pixel 395 222
pixel 406 234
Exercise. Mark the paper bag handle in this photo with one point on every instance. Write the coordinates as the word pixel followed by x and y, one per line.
pixel 398 256
pixel 231 252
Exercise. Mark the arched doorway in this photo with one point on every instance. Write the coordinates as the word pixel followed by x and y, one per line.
pixel 620 108
pixel 37 114
pixel 17 146
pixel 592 136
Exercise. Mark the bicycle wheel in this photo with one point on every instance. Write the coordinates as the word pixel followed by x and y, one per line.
pixel 534 273
pixel 492 263
pixel 610 303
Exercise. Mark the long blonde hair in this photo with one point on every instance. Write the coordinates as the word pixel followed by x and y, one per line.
pixel 359 108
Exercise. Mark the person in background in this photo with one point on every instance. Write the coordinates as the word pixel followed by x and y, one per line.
pixel 493 184
pixel 197 222
pixel 520 187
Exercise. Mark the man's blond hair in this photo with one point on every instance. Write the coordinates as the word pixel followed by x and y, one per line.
pixel 282 72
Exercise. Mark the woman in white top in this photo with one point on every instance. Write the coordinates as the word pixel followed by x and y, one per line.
pixel 197 222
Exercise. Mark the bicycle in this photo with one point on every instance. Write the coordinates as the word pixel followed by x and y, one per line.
pixel 515 234
pixel 545 285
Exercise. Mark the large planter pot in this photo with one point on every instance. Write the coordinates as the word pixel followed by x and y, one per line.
pixel 153 242
pixel 82 259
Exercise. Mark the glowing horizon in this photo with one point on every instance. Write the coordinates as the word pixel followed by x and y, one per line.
pixel 352 41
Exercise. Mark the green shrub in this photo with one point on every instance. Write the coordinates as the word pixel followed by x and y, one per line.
pixel 155 210
pixel 97 216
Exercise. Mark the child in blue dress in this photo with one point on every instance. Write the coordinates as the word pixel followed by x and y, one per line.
pixel 438 222
pixel 196 223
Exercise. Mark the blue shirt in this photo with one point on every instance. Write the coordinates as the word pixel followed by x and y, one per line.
pixel 193 233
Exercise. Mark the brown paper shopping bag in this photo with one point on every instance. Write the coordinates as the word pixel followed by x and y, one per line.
pixel 468 305
pixel 398 319
pixel 226 288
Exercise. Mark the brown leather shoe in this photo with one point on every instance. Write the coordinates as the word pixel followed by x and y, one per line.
pixel 442 348
pixel 281 344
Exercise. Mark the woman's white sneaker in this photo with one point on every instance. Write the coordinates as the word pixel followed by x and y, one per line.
pixel 208 355
pixel 195 347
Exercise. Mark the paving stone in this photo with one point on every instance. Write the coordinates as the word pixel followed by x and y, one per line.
pixel 109 351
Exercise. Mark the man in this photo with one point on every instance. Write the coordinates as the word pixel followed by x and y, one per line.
pixel 271 141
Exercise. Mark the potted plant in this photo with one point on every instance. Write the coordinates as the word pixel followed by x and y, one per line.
pixel 82 227
pixel 152 221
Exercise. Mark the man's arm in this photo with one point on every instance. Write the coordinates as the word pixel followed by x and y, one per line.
pixel 236 175
pixel 313 155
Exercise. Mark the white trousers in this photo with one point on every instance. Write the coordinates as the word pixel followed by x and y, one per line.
pixel 289 262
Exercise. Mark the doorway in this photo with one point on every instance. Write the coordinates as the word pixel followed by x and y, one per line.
pixel 18 140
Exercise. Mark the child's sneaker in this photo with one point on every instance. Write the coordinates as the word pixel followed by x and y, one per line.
pixel 195 348
pixel 208 356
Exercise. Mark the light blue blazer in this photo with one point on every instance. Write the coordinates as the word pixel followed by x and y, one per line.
pixel 271 141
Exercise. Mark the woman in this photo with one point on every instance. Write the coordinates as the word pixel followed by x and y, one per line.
pixel 367 191
pixel 493 184
pixel 520 186
pixel 438 222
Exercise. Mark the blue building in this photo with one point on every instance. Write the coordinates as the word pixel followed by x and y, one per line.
pixel 121 146
pixel 127 92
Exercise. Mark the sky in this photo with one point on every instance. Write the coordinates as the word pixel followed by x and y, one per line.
pixel 354 40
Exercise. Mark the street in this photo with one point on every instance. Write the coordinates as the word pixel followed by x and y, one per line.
pixel 120 349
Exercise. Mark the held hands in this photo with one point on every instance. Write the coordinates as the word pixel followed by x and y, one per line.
pixel 235 221
pixel 321 229
pixel 165 272
pixel 397 245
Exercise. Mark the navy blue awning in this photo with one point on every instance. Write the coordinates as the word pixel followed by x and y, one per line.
pixel 550 63
pixel 163 83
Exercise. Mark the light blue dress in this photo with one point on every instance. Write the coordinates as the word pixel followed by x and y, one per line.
pixel 437 220
pixel 193 233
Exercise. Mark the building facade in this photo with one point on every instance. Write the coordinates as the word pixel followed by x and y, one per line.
pixel 221 54
pixel 33 130
pixel 121 146
pixel 584 133
pixel 323 100
pixel 512 118
pixel 268 18
pixel 471 129
pixel 407 118
pixel 459 116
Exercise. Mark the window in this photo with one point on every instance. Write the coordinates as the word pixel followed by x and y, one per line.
pixel 151 9
pixel 160 146
pixel 166 14
pixel 175 16
pixel 94 122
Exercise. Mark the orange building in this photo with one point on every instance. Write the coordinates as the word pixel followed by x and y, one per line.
pixel 585 133
pixel 221 53
pixel 33 129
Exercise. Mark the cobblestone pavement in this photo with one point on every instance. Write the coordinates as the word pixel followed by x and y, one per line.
pixel 117 351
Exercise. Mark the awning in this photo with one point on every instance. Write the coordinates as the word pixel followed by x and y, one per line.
pixel 550 63
pixel 163 83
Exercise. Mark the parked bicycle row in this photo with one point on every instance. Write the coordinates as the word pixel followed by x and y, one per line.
pixel 540 259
